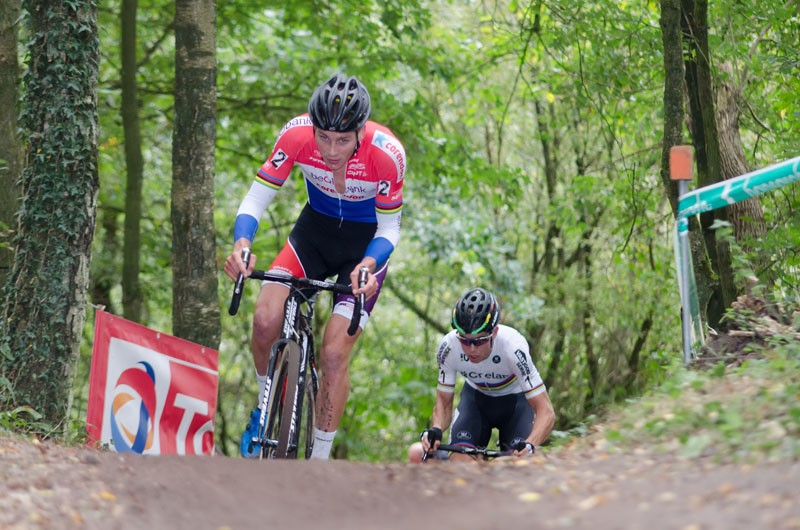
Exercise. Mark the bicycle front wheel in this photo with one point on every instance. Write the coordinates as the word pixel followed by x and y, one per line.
pixel 282 402
pixel 290 403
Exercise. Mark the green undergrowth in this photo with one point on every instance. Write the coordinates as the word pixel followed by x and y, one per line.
pixel 26 422
pixel 731 412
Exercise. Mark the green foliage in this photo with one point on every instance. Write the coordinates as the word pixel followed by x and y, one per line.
pixel 533 138
pixel 746 413
pixel 23 419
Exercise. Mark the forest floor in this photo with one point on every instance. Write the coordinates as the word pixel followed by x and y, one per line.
pixel 50 486
pixel 668 461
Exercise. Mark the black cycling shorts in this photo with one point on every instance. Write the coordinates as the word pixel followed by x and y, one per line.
pixel 320 247
pixel 477 414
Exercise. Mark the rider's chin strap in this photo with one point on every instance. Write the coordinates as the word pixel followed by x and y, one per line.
pixel 358 143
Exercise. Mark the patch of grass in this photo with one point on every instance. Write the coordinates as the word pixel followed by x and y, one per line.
pixel 25 420
pixel 22 419
pixel 744 413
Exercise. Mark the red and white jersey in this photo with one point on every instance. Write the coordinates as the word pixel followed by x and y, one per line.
pixel 374 180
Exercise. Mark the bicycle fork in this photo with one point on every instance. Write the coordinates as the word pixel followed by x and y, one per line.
pixel 262 421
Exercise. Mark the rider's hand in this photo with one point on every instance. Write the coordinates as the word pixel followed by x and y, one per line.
pixel 371 287
pixel 429 437
pixel 523 448
pixel 234 264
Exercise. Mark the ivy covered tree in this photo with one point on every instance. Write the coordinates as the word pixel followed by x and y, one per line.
pixel 10 155
pixel 45 296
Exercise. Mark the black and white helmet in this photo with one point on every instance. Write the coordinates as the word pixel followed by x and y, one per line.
pixel 340 104
pixel 476 311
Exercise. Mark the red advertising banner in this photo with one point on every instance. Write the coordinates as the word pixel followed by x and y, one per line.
pixel 149 392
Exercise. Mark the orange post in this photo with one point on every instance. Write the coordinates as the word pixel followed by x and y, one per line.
pixel 681 162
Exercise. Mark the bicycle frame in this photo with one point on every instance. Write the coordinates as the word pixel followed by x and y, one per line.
pixel 296 339
pixel 291 361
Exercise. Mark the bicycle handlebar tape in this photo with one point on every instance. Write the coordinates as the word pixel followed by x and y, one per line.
pixel 238 287
pixel 358 306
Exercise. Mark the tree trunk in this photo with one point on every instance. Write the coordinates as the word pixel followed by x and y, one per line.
pixel 103 274
pixel 131 291
pixel 195 304
pixel 707 147
pixel 746 217
pixel 46 295
pixel 10 147
pixel 674 89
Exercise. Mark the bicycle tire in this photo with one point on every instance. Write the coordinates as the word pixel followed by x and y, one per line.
pixel 275 406
pixel 290 416
pixel 306 438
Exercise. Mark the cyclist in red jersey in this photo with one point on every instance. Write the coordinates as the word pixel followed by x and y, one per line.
pixel 353 170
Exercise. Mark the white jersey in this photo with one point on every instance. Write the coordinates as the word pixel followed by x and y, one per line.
pixel 508 369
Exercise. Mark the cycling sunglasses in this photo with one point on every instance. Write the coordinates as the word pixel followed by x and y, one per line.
pixel 477 341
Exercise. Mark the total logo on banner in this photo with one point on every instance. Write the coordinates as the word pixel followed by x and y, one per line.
pixel 150 393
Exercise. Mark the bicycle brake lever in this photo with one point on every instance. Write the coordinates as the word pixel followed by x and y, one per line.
pixel 238 287
pixel 363 276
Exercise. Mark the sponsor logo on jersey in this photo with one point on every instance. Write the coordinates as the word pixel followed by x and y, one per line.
pixel 356 169
pixel 480 375
pixel 464 435
pixel 496 359
pixel 441 355
pixel 356 190
pixel 321 179
pixel 522 363
pixel 278 158
pixel 295 122
pixel 394 149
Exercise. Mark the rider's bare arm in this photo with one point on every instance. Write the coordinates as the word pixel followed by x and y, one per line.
pixel 545 418
pixel 442 413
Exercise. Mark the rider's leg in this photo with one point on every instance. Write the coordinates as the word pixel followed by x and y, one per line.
pixel 518 422
pixel 267 319
pixel 267 322
pixel 469 426
pixel 415 453
pixel 334 383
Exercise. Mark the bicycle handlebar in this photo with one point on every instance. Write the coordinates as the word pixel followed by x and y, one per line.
pixel 239 285
pixel 321 285
pixel 475 451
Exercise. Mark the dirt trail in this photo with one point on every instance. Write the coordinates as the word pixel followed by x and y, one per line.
pixel 48 486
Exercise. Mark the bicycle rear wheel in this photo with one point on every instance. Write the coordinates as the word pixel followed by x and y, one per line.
pixel 282 401
pixel 305 442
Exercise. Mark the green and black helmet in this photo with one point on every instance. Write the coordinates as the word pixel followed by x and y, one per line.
pixel 475 312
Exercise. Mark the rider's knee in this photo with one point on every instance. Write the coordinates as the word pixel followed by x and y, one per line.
pixel 415 453
pixel 265 327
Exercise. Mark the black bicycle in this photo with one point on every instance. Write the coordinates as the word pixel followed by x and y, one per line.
pixel 286 424
pixel 485 453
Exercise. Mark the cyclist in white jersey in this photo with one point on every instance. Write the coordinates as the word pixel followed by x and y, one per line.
pixel 502 388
